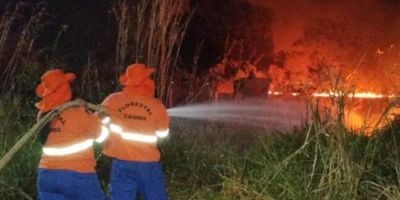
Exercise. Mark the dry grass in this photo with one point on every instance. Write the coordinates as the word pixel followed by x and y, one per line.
pixel 207 160
pixel 151 32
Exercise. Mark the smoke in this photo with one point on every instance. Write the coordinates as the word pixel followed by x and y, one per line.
pixel 352 37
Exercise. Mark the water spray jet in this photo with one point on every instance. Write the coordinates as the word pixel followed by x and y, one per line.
pixel 282 115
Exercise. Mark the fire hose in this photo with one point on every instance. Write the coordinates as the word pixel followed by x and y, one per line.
pixel 43 121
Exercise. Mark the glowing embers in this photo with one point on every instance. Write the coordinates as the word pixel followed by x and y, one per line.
pixel 358 95
pixel 275 93
pixel 295 94
pixel 138 137
pixel 323 94
pixel 61 151
pixel 367 95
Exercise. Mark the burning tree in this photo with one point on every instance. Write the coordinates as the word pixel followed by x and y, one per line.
pixel 357 46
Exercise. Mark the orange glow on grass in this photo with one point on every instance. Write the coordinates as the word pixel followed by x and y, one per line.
pixel 354 121
pixel 359 119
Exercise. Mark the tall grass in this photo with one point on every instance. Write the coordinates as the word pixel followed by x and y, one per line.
pixel 205 160
pixel 302 165
pixel 151 32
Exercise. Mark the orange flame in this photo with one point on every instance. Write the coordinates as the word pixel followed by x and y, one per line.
pixel 358 95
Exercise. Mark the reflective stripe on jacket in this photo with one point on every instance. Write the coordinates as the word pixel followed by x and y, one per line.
pixel 137 122
pixel 69 145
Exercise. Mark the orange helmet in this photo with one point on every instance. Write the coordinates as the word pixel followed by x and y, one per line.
pixel 52 80
pixel 135 75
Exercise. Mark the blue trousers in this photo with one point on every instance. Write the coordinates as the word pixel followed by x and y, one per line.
pixel 129 178
pixel 68 185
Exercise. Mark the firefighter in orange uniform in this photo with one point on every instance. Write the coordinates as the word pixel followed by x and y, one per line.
pixel 138 121
pixel 67 166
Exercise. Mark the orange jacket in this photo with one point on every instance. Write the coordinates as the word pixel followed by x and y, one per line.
pixel 73 130
pixel 137 116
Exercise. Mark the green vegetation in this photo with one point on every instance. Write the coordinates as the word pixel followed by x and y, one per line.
pixel 217 161
pixel 201 159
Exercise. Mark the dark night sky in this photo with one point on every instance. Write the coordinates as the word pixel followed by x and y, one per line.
pixel 92 29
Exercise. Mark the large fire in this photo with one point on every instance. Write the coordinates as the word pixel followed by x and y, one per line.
pixel 363 109
pixel 357 41
pixel 320 47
